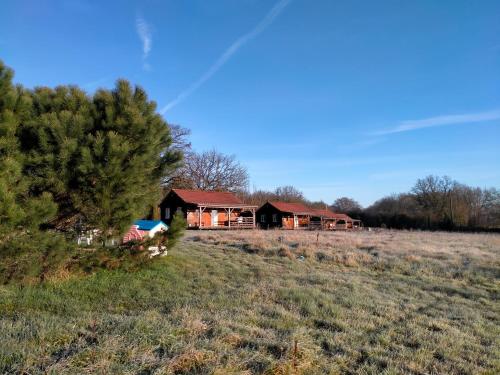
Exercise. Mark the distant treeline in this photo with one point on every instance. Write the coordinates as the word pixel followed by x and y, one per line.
pixel 434 203
pixel 437 203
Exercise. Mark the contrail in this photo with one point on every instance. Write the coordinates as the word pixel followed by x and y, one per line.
pixel 233 48
pixel 443 120
pixel 144 32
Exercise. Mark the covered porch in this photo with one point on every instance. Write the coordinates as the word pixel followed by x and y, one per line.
pixel 326 220
pixel 348 224
pixel 212 216
pixel 295 221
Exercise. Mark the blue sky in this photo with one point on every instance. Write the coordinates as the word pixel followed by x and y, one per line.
pixel 338 98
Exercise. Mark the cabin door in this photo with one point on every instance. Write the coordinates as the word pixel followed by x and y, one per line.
pixel 215 217
pixel 287 222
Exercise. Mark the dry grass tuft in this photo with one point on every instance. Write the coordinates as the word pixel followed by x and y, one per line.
pixel 284 251
pixel 189 362
pixel 233 339
pixel 195 327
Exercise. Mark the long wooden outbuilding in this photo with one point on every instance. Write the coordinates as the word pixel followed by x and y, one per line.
pixel 208 209
pixel 224 210
pixel 299 216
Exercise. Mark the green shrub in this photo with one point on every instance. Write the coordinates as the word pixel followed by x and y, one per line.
pixel 33 256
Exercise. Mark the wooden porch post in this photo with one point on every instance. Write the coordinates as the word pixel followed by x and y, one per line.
pixel 199 217
pixel 253 217
pixel 229 218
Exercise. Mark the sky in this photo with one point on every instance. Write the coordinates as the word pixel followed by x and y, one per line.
pixel 335 97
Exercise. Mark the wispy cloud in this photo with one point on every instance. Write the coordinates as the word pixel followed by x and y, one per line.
pixel 230 51
pixel 144 32
pixel 432 122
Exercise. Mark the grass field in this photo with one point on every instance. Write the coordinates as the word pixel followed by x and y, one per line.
pixel 270 302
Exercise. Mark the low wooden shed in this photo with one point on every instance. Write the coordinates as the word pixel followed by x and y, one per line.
pixel 284 215
pixel 345 222
pixel 324 219
pixel 299 216
pixel 208 209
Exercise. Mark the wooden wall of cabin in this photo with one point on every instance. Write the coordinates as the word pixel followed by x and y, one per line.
pixel 171 204
pixel 206 217
pixel 264 217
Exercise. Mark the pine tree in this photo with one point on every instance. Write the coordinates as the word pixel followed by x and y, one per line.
pixel 51 139
pixel 99 158
pixel 18 208
pixel 123 159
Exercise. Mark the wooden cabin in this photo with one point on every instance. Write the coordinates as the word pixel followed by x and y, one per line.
pixel 208 209
pixel 284 215
pixel 299 216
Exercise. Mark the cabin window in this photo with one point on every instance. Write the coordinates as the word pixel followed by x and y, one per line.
pixel 167 213
pixel 262 218
pixel 275 218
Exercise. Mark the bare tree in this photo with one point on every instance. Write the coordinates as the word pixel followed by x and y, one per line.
pixel 438 202
pixel 212 170
pixel 318 204
pixel 346 205
pixel 483 206
pixel 180 138
pixel 492 207
pixel 181 144
pixel 283 193
pixel 257 197
pixel 433 194
pixel 289 194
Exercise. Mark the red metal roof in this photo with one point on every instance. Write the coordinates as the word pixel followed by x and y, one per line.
pixel 332 215
pixel 302 209
pixel 341 217
pixel 326 213
pixel 208 197
pixel 294 208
